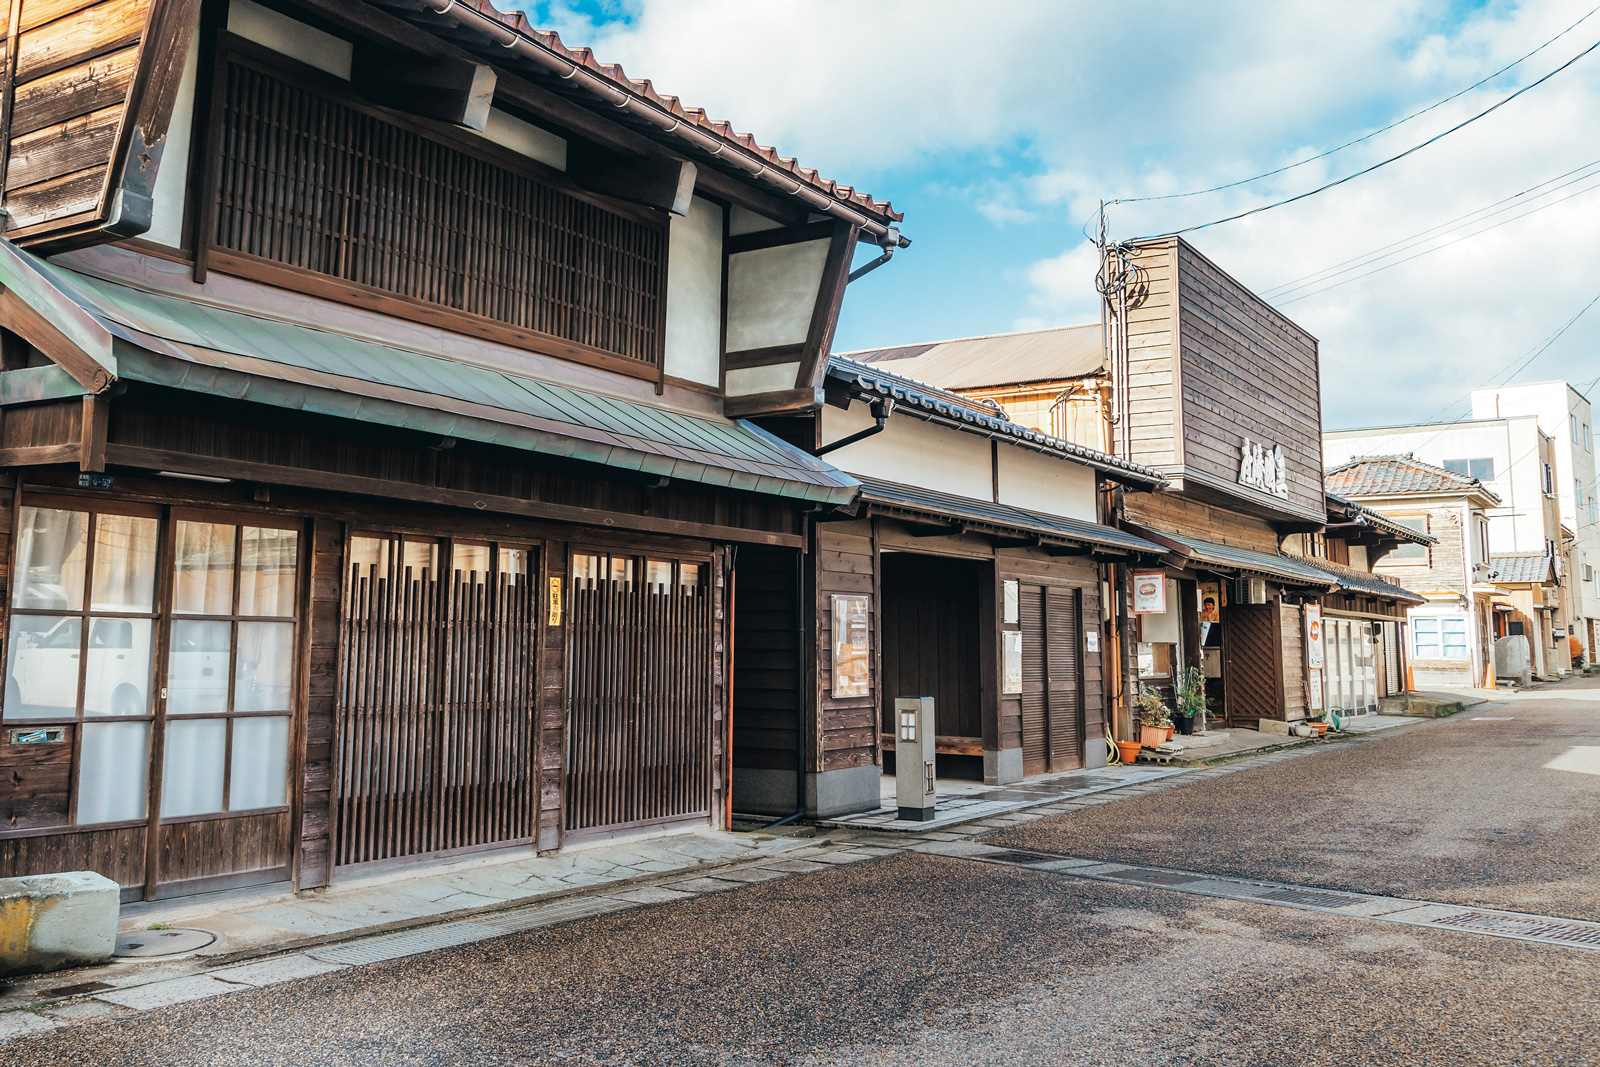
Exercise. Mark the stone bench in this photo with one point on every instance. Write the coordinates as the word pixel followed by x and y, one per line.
pixel 51 921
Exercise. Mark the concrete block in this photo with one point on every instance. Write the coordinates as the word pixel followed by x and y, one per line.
pixel 1002 766
pixel 1273 726
pixel 844 791
pixel 51 921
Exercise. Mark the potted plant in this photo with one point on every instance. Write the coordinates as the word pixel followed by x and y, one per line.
pixel 1191 693
pixel 1155 721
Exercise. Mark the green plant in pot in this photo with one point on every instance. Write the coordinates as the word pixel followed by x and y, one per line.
pixel 1154 717
pixel 1191 691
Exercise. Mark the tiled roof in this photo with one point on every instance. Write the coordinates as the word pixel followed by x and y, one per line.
pixel 1001 359
pixel 1396 476
pixel 1518 567
pixel 481 20
pixel 1275 565
pixel 940 405
pixel 1365 516
pixel 1365 583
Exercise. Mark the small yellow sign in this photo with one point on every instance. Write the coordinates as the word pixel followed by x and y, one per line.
pixel 555 602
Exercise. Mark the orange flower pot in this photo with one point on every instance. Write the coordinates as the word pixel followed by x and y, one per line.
pixel 1320 727
pixel 1128 751
pixel 1151 736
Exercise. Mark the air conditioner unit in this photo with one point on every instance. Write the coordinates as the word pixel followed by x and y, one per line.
pixel 1249 591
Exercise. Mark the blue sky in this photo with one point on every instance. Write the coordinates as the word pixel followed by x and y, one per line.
pixel 996 128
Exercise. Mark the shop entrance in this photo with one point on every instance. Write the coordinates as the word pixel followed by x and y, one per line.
pixel 931 643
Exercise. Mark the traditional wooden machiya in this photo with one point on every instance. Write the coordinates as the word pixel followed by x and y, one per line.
pixel 375 484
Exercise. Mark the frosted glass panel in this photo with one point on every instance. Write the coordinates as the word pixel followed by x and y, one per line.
pixel 420 557
pixel 266 654
pixel 197 668
pixel 204 564
pixel 191 777
pixel 112 776
pixel 267 561
pixel 657 574
pixel 260 773
pixel 124 564
pixel 469 561
pixel 514 564
pixel 51 548
pixel 117 679
pixel 370 556
pixel 42 667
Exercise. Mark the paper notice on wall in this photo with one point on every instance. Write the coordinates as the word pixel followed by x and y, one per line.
pixel 1314 689
pixel 1011 662
pixel 852 664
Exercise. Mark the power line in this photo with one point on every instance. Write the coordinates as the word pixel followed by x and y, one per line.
pixel 1366 136
pixel 1381 163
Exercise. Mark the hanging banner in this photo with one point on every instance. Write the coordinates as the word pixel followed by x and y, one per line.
pixel 1150 593
pixel 1314 636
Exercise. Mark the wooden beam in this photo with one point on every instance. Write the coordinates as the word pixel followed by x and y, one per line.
pixel 36 455
pixel 450 90
pixel 825 315
pixel 774 402
pixel 764 357
pixel 18 315
pixel 654 181
pixel 272 474
pixel 782 235
pixel 934 529
pixel 92 432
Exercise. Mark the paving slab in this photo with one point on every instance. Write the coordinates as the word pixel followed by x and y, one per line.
pixel 273 971
pixel 162 994
pixel 22 1023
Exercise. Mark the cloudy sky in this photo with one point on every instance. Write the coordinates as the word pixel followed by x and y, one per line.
pixel 997 127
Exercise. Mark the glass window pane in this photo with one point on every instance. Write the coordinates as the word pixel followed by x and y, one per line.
pixel 658 575
pixel 422 557
pixel 370 555
pixel 585 570
pixel 113 771
pixel 192 760
pixel 622 571
pixel 124 564
pixel 197 668
pixel 514 563
pixel 117 677
pixel 266 659
pixel 51 547
pixel 260 774
pixel 42 667
pixel 470 561
pixel 267 565
pixel 204 553
pixel 690 575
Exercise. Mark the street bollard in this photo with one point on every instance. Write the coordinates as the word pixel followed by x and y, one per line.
pixel 913 757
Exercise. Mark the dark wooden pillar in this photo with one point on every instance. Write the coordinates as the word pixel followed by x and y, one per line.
pixel 323 619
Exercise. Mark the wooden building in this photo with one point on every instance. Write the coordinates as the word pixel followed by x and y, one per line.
pixel 374 462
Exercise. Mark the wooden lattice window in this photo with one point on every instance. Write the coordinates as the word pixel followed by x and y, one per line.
pixel 318 182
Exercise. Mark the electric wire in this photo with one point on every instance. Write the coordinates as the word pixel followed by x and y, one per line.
pixel 1382 162
pixel 1366 136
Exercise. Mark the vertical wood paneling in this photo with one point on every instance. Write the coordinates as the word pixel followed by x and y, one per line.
pixel 1064 639
pixel 1035 727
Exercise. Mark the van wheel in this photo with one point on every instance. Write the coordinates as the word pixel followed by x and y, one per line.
pixel 127 701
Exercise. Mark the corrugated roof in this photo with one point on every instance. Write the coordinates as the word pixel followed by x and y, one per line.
pixel 502 31
pixel 999 359
pixel 963 413
pixel 1271 565
pixel 1362 582
pixel 894 496
pixel 1397 476
pixel 188 345
pixel 1516 568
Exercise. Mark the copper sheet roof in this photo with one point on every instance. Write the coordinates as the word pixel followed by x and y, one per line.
pixel 450 17
pixel 995 360
pixel 1398 476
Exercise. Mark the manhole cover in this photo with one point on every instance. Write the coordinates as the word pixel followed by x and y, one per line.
pixel 161 942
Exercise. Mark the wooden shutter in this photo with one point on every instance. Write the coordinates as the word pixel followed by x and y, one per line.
pixel 1035 719
pixel 1064 623
pixel 1251 667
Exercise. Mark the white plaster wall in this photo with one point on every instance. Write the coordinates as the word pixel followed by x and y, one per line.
pixel 1050 484
pixel 281 33
pixel 911 452
pixel 771 294
pixel 694 295
pixel 743 220
pixel 172 180
pixel 1358 558
pixel 762 379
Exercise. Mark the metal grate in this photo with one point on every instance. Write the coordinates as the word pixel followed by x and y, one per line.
pixel 1153 877
pixel 1309 898
pixel 1539 929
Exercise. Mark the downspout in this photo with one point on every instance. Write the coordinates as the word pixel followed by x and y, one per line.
pixel 881 410
pixel 889 243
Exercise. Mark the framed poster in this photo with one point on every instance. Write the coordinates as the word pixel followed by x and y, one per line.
pixel 852 666
pixel 1314 636
pixel 1150 593
pixel 1011 662
pixel 1210 601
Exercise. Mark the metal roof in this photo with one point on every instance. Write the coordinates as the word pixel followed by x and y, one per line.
pixel 1272 565
pixel 1365 516
pixel 1399 476
pixel 185 344
pixel 895 497
pixel 998 359
pixel 1362 582
pixel 963 413
pixel 1515 568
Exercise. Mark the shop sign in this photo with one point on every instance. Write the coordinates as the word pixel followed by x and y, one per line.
pixel 1262 467
pixel 1314 636
pixel 852 676
pixel 1011 665
pixel 1150 593
pixel 555 601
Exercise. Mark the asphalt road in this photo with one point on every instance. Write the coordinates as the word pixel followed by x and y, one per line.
pixel 936 961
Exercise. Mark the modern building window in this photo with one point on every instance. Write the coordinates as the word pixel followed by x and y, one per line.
pixel 1549 480
pixel 1572 421
pixel 1588 443
pixel 1408 554
pixel 1483 540
pixel 1481 469
pixel 1439 637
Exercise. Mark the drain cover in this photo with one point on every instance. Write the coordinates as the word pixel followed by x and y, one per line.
pixel 1533 929
pixel 1310 898
pixel 137 943
pixel 1168 878
pixel 1012 856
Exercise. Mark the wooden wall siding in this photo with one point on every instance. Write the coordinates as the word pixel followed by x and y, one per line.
pixel 1152 370
pixel 320 726
pixel 552 698
pixel 436 740
pixel 1064 677
pixel 1034 699
pixel 930 625
pixel 215 848
pixel 767 660
pixel 1246 371
pixel 36 783
pixel 335 188
pixel 213 428
pixel 1172 513
pixel 1253 670
pixel 1293 670
pixel 118 854
pixel 845 562
pixel 643 689
pixel 1062 578
pixel 1443 569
